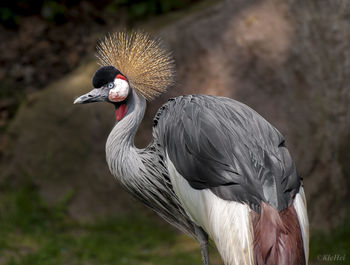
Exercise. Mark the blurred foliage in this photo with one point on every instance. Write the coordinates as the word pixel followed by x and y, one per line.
pixel 53 11
pixel 11 11
pixel 57 11
pixel 141 9
pixel 8 17
pixel 31 233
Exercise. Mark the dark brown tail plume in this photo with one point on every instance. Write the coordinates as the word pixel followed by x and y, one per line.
pixel 277 237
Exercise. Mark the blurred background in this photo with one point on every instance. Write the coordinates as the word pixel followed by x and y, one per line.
pixel 287 59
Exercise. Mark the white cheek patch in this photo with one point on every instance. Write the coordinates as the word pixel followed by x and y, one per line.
pixel 120 90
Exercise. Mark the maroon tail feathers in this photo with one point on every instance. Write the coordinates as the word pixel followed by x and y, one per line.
pixel 277 237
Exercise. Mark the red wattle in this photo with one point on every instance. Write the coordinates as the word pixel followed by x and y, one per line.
pixel 120 112
pixel 120 77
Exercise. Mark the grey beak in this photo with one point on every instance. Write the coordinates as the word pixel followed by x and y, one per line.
pixel 93 96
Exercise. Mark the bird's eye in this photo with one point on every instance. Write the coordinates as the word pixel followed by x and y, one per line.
pixel 110 85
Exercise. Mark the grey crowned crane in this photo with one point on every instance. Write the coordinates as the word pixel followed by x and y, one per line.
pixel 214 169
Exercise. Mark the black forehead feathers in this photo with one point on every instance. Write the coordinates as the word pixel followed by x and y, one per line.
pixel 104 75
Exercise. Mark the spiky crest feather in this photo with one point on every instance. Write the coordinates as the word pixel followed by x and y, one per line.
pixel 148 67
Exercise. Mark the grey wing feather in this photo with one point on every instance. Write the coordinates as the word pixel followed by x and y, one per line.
pixel 220 144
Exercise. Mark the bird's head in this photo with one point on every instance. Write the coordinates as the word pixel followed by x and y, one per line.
pixel 129 63
pixel 110 85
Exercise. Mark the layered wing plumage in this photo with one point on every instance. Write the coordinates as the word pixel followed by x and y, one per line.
pixel 220 144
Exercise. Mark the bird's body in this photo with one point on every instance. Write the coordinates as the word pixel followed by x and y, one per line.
pixel 214 168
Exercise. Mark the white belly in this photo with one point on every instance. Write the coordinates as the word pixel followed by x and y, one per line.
pixel 226 222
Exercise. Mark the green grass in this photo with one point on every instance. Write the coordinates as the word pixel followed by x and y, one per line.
pixel 331 248
pixel 33 233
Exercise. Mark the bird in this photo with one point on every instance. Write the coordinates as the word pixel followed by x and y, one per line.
pixel 215 169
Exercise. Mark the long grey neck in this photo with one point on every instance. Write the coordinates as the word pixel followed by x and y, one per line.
pixel 122 156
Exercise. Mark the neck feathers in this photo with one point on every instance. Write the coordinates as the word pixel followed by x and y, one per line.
pixel 121 154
